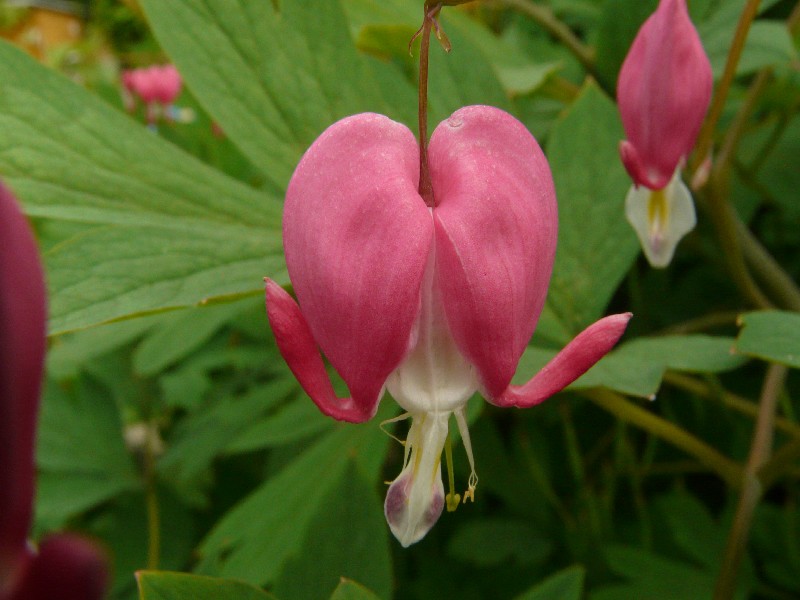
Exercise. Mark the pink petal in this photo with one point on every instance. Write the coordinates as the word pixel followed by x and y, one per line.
pixel 169 84
pixel 496 225
pixel 22 344
pixel 67 568
pixel 299 350
pixel 574 360
pixel 663 90
pixel 357 236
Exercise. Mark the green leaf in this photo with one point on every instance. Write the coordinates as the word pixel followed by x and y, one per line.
pixel 254 544
pixel 619 23
pixel 768 42
pixel 176 233
pixel 350 590
pixel 180 334
pixel 773 336
pixel 564 585
pixel 81 455
pixel 272 79
pixel 596 246
pixel 498 541
pixel 118 272
pixel 349 538
pixel 162 585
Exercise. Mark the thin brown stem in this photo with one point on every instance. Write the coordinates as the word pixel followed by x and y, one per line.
pixel 741 405
pixel 545 17
pixel 752 489
pixel 425 186
pixel 706 137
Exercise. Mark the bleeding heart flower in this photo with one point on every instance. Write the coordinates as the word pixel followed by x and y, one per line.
pixel 663 91
pixel 65 566
pixel 431 303
pixel 157 86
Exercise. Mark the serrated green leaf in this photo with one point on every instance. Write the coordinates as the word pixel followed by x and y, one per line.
pixel 117 272
pixel 596 246
pixel 350 590
pixel 772 336
pixel 349 538
pixel 253 542
pixel 690 353
pixel 181 233
pixel 273 79
pixel 162 585
pixel 180 334
pixel 564 585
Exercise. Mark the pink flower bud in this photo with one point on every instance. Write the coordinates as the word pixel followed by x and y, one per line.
pixel 663 91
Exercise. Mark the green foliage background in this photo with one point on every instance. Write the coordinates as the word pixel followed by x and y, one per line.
pixel 173 431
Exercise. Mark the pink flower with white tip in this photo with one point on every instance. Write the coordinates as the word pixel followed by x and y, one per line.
pixel 663 90
pixel 431 303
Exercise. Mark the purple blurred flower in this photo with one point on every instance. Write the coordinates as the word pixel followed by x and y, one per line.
pixel 64 567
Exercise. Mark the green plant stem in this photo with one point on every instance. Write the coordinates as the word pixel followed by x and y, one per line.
pixel 774 278
pixel 151 499
pixel 544 16
pixel 425 186
pixel 780 463
pixel 752 487
pixel 703 323
pixel 741 405
pixel 617 405
pixel 706 137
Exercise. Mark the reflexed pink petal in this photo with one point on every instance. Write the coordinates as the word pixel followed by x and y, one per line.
pixel 66 568
pixel 663 90
pixel 357 237
pixel 574 360
pixel 299 350
pixel 22 344
pixel 496 226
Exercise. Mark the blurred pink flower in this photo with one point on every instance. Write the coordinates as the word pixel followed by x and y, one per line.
pixel 156 86
pixel 65 567
pixel 432 304
pixel 663 91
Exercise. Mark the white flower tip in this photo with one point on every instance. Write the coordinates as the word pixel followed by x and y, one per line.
pixel 661 218
pixel 412 508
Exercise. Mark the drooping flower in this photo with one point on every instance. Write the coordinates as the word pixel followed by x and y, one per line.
pixel 663 90
pixel 157 86
pixel 64 566
pixel 429 303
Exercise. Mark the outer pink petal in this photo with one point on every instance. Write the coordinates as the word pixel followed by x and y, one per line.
pixel 496 225
pixel 663 90
pixel 357 236
pixel 67 568
pixel 169 84
pixel 299 350
pixel 574 360
pixel 22 343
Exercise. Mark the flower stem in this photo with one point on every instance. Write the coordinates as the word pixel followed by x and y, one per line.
pixel 425 187
pixel 618 406
pixel 151 499
pixel 706 137
pixel 752 488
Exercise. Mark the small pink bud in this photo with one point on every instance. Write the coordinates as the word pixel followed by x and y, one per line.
pixel 663 90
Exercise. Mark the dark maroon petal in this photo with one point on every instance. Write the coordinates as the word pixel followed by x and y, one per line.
pixel 22 345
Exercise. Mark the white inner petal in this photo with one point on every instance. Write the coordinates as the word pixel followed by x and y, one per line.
pixel 661 218
pixel 434 377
